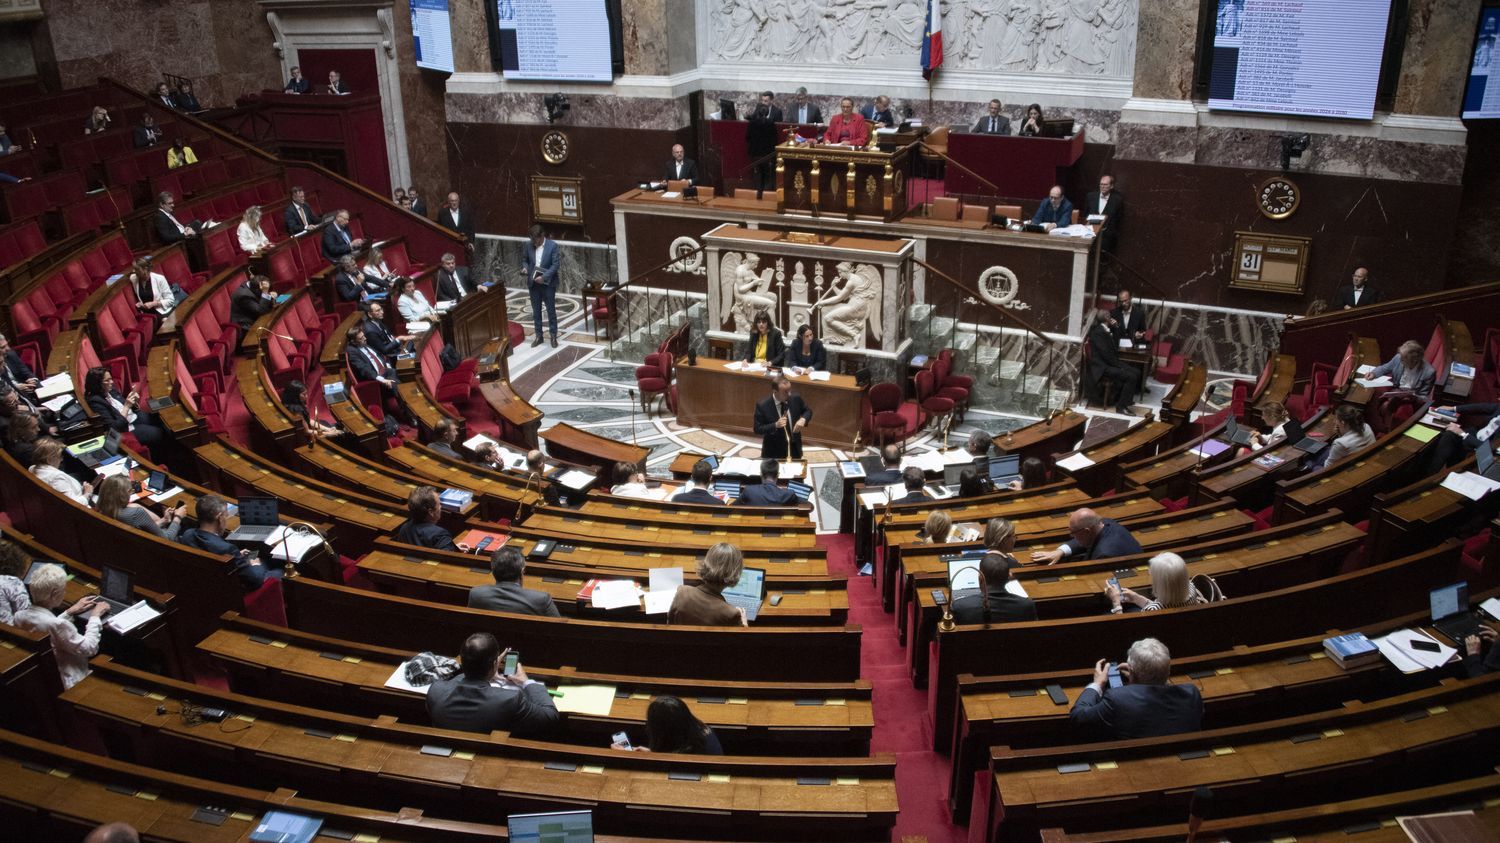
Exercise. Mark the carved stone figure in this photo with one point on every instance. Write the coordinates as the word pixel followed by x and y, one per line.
pixel 851 304
pixel 750 291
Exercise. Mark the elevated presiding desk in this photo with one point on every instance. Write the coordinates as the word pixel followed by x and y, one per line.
pixel 817 178
pixel 713 395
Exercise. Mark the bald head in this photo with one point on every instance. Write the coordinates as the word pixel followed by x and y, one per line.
pixel 1084 525
pixel 1055 195
pixel 113 833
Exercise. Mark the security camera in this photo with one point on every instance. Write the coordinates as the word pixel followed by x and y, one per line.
pixel 557 105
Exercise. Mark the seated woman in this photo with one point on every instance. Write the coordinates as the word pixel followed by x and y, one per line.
pixel 671 727
pixel 375 270
pixel 971 484
pixel 114 502
pixel 294 399
pixel 1350 432
pixel 1034 122
pixel 252 239
pixel 704 604
pixel 765 344
pixel 98 121
pixel 46 457
pixel 153 292
pixel 806 352
pixel 117 412
pixel 180 155
pixel 1033 474
pixel 25 428
pixel 1170 588
pixel 938 529
pixel 410 302
pixel 14 563
pixel 630 481
pixel 72 650
pixel 1283 427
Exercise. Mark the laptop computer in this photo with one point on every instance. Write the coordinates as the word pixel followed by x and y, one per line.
pixel 93 452
pixel 258 518
pixel 1310 446
pixel 1005 469
pixel 800 489
pixel 555 827
pixel 117 588
pixel 963 574
pixel 1236 434
pixel 1450 612
pixel 728 487
pixel 1484 459
pixel 748 592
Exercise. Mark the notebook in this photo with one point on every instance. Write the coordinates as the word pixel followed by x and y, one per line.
pixel 748 592
pixel 258 518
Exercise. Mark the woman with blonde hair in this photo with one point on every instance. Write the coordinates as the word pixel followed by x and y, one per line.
pixel 375 267
pixel 704 604
pixel 939 528
pixel 1283 426
pixel 1170 587
pixel 252 239
pixel 46 456
pixel 114 502
pixel 48 587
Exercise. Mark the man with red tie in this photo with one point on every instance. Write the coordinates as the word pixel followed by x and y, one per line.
pixel 847 126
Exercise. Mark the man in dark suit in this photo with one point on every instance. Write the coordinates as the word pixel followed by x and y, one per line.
pixel 1129 318
pixel 185 99
pixel 479 699
pixel 880 112
pixel 250 301
pixel 779 419
pixel 348 281
pixel 993 123
pixel 213 524
pixel 996 602
pixel 453 215
pixel 365 362
pixel 1145 706
pixel 766 492
pixel 703 477
pixel 1357 292
pixel 338 240
pixel 15 372
pixel 1454 443
pixel 418 204
pixel 299 216
pixel 453 281
pixel 378 335
pixel 804 112
pixel 761 138
pixel 1108 202
pixel 421 528
pixel 336 84
pixel 1054 211
pixel 681 167
pixel 444 434
pixel 890 472
pixel 298 84
pixel 148 133
pixel 162 93
pixel 916 485
pixel 1104 365
pixel 1091 537
pixel 169 229
pixel 540 263
pixel 506 595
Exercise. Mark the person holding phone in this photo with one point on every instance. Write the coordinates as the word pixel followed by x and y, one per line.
pixel 491 692
pixel 671 727
pixel 114 502
pixel 1144 705
pixel 1170 587
pixel 71 648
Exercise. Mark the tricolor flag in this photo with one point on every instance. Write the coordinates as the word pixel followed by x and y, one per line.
pixel 932 40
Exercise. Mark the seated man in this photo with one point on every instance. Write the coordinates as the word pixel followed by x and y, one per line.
pixel 703 478
pixel 1092 538
pixel 213 525
pixel 1145 706
pixel 445 433
pixel 299 216
pixel 453 281
pixel 507 566
pixel 915 482
pixel 993 122
pixel 767 493
pixel 378 335
pixel 479 699
pixel 1408 370
pixel 338 240
pixel 1105 365
pixel 421 527
pixel 555 494
pixel 995 602
pixel 169 229
pixel 890 472
pixel 880 112
pixel 352 284
pixel 1454 443
pixel 680 167
pixel 1054 211
pixel 250 301
pixel 366 363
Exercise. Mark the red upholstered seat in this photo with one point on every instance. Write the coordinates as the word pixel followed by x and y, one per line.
pixel 266 604
pixel 892 419
pixel 1170 371
pixel 653 378
pixel 935 406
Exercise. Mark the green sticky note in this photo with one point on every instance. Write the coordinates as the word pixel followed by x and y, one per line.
pixel 1422 433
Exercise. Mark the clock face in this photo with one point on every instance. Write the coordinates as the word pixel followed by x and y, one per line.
pixel 1278 197
pixel 555 147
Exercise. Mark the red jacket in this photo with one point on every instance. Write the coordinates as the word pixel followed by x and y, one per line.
pixel 853 128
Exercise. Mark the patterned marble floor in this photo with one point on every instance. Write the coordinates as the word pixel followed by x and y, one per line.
pixel 578 384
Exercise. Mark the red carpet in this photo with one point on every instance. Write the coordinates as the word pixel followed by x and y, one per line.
pixel 900 709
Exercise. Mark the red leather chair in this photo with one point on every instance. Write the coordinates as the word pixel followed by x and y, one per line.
pixel 955 388
pixel 1316 394
pixel 30 329
pixel 891 418
pixel 654 379
pixel 936 407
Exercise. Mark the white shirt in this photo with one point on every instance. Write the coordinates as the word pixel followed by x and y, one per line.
pixel 414 307
pixel 1103 200
pixel 378 270
pixel 71 650
pixel 536 264
pixel 120 408
pixel 678 170
pixel 161 290
pixel 180 227
pixel 252 239
pixel 632 490
pixel 1358 291
pixel 61 481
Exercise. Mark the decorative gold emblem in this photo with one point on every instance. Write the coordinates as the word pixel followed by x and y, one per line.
pixel 1278 197
pixel 555 147
pixel 799 185
pixel 900 182
pixel 833 187
pixel 870 188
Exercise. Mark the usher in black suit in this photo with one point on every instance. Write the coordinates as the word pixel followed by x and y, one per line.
pixel 774 442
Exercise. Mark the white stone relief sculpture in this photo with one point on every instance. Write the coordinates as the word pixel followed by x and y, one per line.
pixel 744 290
pixel 689 257
pixel 851 306
pixel 999 286
pixel 1075 37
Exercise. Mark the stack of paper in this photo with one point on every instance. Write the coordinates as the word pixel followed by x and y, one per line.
pixel 616 594
pixel 738 465
pixel 1383 380
pixel 290 545
pixel 1074 463
pixel 930 462
pixel 1364 369
pixel 54 386
pixel 575 479
pixel 132 617
pixel 661 589
pixel 1397 647
pixel 596 700
pixel 734 365
pixel 955 456
pixel 873 499
pixel 1470 485
pixel 790 470
pixel 819 376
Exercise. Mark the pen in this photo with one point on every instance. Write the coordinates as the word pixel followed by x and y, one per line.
pixel 555 693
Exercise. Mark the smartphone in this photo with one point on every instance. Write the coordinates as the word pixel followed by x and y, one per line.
pixel 484 543
pixel 1114 675
pixel 1425 646
pixel 621 738
pixel 512 661
pixel 1112 581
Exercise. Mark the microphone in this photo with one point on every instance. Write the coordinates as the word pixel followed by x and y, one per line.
pixel 266 330
pixel 1199 809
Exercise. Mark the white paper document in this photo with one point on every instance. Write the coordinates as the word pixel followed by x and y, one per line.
pixel 929 461
pixel 1491 607
pixel 734 365
pixel 874 499
pixel 1470 485
pixel 616 594
pixel 575 479
pixel 819 376
pixel 291 545
pixel 473 442
pixel 790 470
pixel 659 602
pixel 167 495
pixel 738 465
pixel 1364 369
pixel 57 402
pixel 54 386
pixel 1383 380
pixel 132 617
pixel 1397 647
pixel 398 681
pixel 956 456
pixel 665 579
pixel 1075 462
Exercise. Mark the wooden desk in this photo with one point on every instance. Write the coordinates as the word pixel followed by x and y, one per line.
pixel 568 525
pixel 1248 482
pixel 1044 438
pixel 477 318
pixel 1362 351
pixel 1406 519
pixel 1171 472
pixel 1015 165
pixel 1180 401
pixel 568 443
pixel 714 397
pixel 518 418
pixel 1350 483
pixel 1142 440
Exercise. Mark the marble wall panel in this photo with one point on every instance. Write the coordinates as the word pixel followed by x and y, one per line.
pixel 586 110
pixel 1435 62
pixel 499 258
pixel 644 36
pixel 471 44
pixel 1165 41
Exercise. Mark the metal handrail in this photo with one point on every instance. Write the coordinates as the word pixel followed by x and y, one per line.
pixel 1035 331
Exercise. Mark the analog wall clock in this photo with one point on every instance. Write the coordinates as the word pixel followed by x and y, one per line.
pixel 555 147
pixel 1278 197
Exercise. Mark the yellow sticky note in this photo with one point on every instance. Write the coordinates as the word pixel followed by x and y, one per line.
pixel 345 738
pixel 1223 750
pixel 596 769
pixel 366 837
pixel 464 756
pixel 640 696
pixel 1224 671
pixel 280 645
pixel 62 774
pixel 737 700
pixel 156 696
pixel 149 797
pixel 1437 709
pixel 1070 577
pixel 847 781
pixel 242 817
pixel 836 701
pixel 718 777
pixel 1332 733
pixel 1107 765
pixel 1316 656
pixel 245 717
pixel 353 659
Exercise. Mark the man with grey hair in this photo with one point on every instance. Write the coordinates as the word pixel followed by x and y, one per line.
pixel 453 281
pixel 1091 537
pixel 804 111
pixel 1408 370
pixel 1143 705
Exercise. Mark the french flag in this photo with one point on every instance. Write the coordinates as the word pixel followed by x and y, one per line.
pixel 932 41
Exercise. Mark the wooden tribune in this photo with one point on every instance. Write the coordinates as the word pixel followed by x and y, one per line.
pixel 477 318
pixel 836 179
pixel 715 397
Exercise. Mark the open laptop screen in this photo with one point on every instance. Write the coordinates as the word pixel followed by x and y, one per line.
pixel 1006 467
pixel 963 573
pixel 114 584
pixel 1449 600
pixel 257 511
pixel 751 584
pixel 558 827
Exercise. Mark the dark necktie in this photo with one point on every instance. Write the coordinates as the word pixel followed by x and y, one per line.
pixel 992 125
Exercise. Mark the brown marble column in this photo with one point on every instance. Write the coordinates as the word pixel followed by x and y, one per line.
pixel 422 105
pixel 1434 65
pixel 645 36
pixel 1165 40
